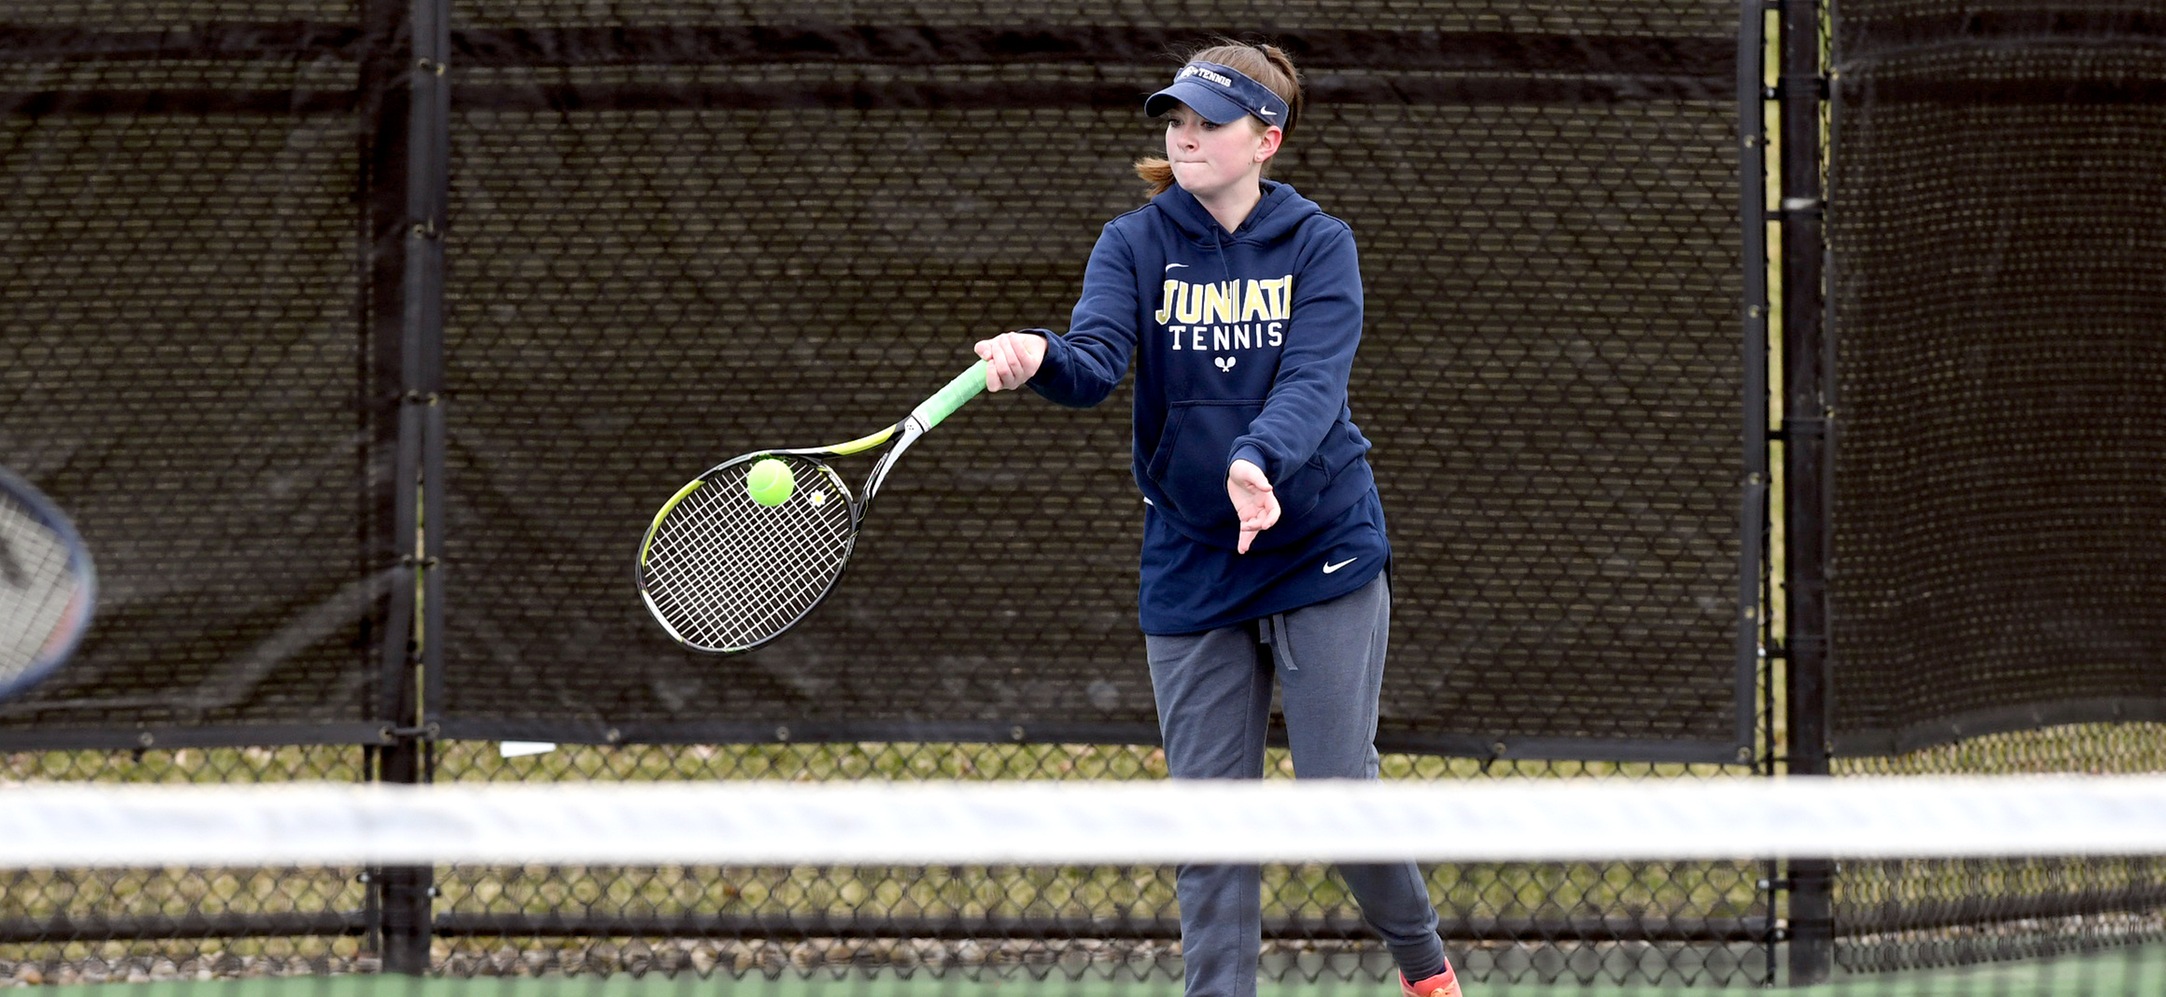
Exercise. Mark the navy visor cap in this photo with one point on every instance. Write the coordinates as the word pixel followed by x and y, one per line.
pixel 1221 94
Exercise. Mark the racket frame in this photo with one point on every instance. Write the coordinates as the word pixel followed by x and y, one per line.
pixel 82 602
pixel 897 438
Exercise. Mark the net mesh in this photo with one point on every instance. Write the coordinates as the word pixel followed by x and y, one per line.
pixel 1027 887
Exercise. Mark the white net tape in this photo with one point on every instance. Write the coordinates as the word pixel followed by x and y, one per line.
pixel 1042 823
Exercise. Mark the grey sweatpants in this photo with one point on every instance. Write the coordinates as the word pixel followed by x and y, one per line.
pixel 1214 704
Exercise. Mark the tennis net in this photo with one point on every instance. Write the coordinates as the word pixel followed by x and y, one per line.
pixel 1893 887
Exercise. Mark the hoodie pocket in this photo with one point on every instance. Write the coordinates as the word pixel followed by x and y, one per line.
pixel 1189 465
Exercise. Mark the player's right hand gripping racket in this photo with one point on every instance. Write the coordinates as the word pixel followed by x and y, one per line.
pixel 47 586
pixel 725 573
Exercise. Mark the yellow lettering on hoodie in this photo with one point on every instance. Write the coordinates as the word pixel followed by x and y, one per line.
pixel 1188 306
pixel 1219 302
pixel 1256 303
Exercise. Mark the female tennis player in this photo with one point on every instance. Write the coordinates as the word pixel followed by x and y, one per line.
pixel 1239 303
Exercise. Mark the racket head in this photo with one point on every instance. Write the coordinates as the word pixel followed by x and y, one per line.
pixel 724 574
pixel 48 586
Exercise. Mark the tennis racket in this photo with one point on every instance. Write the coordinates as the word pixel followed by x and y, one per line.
pixel 47 586
pixel 724 573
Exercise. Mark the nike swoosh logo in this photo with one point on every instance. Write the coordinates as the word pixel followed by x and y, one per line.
pixel 1329 568
pixel 1268 113
pixel 1170 266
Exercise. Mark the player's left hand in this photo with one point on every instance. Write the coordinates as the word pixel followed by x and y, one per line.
pixel 1252 501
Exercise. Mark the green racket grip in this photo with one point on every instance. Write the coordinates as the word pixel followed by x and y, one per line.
pixel 966 386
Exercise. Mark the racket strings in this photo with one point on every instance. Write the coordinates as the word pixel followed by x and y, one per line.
pixel 771 584
pixel 728 573
pixel 775 565
pixel 38 589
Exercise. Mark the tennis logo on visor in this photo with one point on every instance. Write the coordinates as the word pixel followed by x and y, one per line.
pixel 1193 70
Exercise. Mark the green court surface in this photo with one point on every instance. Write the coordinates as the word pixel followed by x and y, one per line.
pixel 2124 973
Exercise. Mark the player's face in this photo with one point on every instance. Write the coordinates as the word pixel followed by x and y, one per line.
pixel 1211 159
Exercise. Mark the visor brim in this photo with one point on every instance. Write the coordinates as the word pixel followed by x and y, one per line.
pixel 1214 106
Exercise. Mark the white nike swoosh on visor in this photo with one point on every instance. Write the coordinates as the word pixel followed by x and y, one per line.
pixel 1329 568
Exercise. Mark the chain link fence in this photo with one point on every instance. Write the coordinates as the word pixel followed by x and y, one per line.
pixel 1995 597
pixel 669 247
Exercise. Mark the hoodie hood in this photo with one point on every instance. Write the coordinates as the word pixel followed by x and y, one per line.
pixel 1278 215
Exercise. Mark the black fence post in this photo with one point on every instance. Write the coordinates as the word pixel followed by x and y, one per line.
pixel 405 893
pixel 1801 95
pixel 405 109
pixel 409 890
pixel 428 212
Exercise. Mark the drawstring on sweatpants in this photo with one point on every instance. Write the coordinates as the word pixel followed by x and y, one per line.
pixel 1271 633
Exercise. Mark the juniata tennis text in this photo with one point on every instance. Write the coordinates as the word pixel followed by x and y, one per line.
pixel 1227 314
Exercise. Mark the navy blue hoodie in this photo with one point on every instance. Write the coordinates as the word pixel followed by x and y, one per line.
pixel 1242 344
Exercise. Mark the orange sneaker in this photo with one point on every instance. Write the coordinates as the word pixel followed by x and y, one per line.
pixel 1444 984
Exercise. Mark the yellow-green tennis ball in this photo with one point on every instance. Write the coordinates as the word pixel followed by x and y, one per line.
pixel 769 482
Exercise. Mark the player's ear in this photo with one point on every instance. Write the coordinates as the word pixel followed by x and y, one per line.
pixel 1269 146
